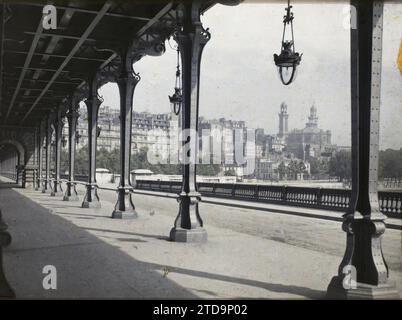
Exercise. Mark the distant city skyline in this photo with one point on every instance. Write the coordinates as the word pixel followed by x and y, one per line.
pixel 239 80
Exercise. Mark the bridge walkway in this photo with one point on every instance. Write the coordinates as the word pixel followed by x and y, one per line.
pixel 249 254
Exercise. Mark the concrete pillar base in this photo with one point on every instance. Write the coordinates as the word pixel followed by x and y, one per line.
pixel 71 192
pixel 56 194
pixel 188 235
pixel 5 290
pixel 363 291
pixel 91 199
pixel 5 240
pixel 124 208
pixel 71 198
pixel 92 204
pixel 128 214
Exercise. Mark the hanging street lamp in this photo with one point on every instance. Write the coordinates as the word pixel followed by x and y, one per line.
pixel 64 141
pixel 98 131
pixel 177 98
pixel 288 60
pixel 77 137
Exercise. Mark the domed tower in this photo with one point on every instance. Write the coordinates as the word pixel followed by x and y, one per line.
pixel 312 119
pixel 283 120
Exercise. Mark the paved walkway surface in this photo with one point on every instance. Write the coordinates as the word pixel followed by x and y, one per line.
pixel 249 253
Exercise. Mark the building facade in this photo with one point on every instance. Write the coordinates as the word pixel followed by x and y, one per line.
pixel 309 142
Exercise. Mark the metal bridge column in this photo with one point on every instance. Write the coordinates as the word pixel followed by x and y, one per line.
pixel 126 81
pixel 93 102
pixel 46 185
pixel 58 126
pixel 72 117
pixel 363 272
pixel 191 38
pixel 39 178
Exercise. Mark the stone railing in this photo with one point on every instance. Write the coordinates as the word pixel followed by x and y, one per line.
pixel 320 198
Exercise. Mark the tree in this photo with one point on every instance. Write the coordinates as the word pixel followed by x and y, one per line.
pixel 109 160
pixel 282 170
pixel 318 167
pixel 81 161
pixel 208 169
pixel 390 164
pixel 293 169
pixel 340 165
pixel 229 172
pixel 139 160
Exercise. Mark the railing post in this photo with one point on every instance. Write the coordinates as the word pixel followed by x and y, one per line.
pixel 284 194
pixel 319 197
pixel 256 189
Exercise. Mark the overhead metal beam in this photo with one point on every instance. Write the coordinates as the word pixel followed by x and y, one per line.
pixel 45 81
pixel 67 36
pixel 49 70
pixel 151 22
pixel 26 64
pixel 77 46
pixel 109 14
pixel 27 102
pixel 55 55
pixel 34 97
pixel 34 89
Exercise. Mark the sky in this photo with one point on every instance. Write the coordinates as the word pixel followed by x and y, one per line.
pixel 239 80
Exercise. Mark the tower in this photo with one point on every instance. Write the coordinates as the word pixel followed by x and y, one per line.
pixel 312 118
pixel 283 121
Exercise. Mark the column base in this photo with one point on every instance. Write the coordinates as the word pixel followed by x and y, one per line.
pixel 46 190
pixel 91 199
pixel 363 291
pixel 71 192
pixel 5 240
pixel 5 290
pixel 128 214
pixel 124 208
pixel 92 204
pixel 197 235
pixel 57 191
pixel 71 198
pixel 56 194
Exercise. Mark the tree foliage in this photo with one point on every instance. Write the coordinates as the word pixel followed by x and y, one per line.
pixel 390 163
pixel 340 165
pixel 229 172
pixel 318 167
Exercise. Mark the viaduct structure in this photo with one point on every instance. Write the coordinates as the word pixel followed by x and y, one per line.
pixel 44 75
